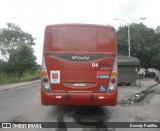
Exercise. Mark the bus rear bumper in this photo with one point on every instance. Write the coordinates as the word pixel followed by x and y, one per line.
pixel 101 99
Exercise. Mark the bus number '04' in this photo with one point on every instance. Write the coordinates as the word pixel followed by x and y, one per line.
pixel 94 64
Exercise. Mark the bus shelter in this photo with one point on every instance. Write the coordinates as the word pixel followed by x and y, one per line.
pixel 127 73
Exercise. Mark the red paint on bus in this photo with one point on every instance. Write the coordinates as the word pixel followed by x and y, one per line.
pixel 79 61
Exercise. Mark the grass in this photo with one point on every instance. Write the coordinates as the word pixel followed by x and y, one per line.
pixel 8 79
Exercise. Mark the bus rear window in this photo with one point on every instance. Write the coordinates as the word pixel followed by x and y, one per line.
pixel 79 39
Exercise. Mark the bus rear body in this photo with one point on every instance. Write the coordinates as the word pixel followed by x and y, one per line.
pixel 79 65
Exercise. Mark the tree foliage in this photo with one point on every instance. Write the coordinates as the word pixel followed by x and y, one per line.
pixel 2 66
pixel 21 60
pixel 145 43
pixel 13 37
pixel 16 50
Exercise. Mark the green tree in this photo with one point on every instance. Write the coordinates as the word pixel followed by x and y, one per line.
pixel 157 30
pixel 13 37
pixel 20 60
pixel 122 40
pixel 155 62
pixel 144 43
pixel 2 66
pixel 16 50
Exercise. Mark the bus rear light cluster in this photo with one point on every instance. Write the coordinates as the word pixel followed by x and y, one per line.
pixel 111 88
pixel 114 74
pixel 43 73
pixel 44 77
pixel 45 80
pixel 113 79
pixel 47 87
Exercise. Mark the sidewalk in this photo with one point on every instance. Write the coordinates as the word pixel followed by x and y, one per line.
pixel 17 85
pixel 125 92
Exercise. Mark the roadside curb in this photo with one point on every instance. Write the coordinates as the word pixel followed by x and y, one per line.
pixel 150 87
pixel 17 85
pixel 138 97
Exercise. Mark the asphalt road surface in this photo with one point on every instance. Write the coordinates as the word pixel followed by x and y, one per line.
pixel 23 105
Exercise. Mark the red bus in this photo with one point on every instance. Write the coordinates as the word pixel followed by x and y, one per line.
pixel 79 65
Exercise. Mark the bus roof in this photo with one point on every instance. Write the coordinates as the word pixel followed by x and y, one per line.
pixel 84 25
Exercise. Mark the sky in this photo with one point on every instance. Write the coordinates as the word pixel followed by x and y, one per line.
pixel 33 15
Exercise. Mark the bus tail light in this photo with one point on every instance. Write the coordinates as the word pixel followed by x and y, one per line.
pixel 44 77
pixel 113 79
pixel 47 87
pixel 43 73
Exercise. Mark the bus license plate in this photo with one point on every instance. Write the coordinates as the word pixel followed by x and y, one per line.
pixel 79 84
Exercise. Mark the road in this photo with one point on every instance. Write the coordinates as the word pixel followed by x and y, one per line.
pixel 23 105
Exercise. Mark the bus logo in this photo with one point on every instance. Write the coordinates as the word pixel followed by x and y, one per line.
pixel 80 57
pixel 6 125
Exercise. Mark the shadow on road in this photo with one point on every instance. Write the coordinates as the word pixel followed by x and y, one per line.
pixel 90 118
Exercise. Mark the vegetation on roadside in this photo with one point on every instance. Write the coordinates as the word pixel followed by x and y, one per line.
pixel 28 76
pixel 17 59
pixel 145 44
